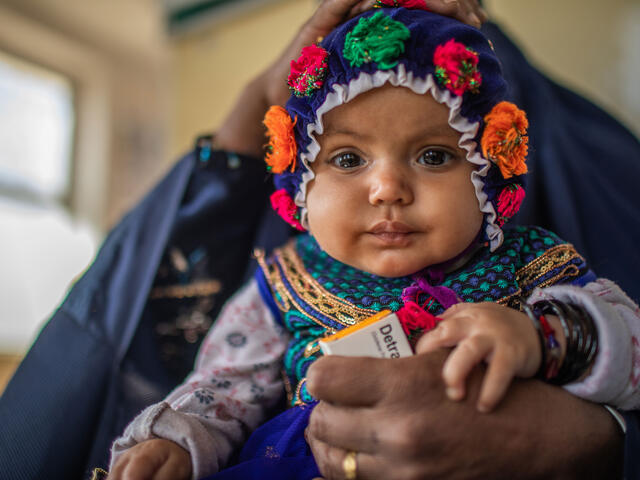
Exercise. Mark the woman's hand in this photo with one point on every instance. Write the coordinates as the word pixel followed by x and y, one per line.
pixel 156 459
pixel 395 415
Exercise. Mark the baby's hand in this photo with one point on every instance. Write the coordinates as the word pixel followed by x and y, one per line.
pixel 156 459
pixel 502 337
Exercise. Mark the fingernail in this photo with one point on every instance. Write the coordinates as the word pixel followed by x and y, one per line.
pixel 475 19
pixel 454 393
pixel 450 1
pixel 482 408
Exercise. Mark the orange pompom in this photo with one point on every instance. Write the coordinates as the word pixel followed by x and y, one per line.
pixel 281 150
pixel 504 140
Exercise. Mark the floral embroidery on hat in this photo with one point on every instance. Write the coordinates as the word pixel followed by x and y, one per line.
pixel 410 4
pixel 378 39
pixel 284 206
pixel 509 202
pixel 281 149
pixel 308 71
pixel 504 140
pixel 457 67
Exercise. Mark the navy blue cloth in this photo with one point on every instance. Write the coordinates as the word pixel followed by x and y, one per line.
pixel 583 170
pixel 96 363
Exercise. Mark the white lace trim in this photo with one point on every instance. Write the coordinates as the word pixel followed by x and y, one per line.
pixel 401 78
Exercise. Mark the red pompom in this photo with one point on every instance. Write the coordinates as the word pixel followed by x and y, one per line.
pixel 457 67
pixel 410 4
pixel 509 202
pixel 415 320
pixel 308 71
pixel 284 206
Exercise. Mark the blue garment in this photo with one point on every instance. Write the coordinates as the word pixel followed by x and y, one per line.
pixel 583 170
pixel 276 450
pixel 97 362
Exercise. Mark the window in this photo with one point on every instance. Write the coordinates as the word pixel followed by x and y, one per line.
pixel 42 247
pixel 36 131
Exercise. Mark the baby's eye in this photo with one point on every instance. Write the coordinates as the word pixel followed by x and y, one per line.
pixel 347 161
pixel 435 158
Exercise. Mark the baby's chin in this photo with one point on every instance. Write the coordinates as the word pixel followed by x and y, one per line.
pixel 389 269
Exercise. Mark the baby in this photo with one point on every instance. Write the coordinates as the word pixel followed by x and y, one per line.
pixel 399 155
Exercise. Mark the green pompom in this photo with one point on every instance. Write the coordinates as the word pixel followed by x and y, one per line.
pixel 378 39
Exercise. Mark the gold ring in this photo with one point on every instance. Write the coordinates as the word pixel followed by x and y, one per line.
pixel 350 466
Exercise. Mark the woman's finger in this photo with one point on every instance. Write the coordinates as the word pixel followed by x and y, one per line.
pixel 469 353
pixel 332 379
pixel 496 380
pixel 330 462
pixel 344 427
pixel 467 11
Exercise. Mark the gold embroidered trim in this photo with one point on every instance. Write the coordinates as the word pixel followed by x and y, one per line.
pixel 287 386
pixel 311 292
pixel 297 394
pixel 99 474
pixel 203 288
pixel 553 258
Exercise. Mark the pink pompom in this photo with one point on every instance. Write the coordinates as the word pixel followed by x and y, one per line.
pixel 410 4
pixel 457 67
pixel 509 202
pixel 308 71
pixel 415 320
pixel 284 206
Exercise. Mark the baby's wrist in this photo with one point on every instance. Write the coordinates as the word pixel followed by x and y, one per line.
pixel 568 340
pixel 551 347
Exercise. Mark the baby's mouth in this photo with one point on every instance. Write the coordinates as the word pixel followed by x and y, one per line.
pixel 392 233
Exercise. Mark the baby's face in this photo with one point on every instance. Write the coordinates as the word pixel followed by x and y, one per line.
pixel 392 192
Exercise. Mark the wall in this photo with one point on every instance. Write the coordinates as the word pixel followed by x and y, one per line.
pixel 589 46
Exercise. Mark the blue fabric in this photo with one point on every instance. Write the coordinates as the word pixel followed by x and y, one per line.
pixel 277 450
pixel 97 363
pixel 631 445
pixel 583 170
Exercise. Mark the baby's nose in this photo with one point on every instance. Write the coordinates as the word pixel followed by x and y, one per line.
pixel 390 187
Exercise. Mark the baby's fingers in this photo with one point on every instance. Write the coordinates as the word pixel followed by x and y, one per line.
pixel 469 353
pixel 174 469
pixel 496 381
pixel 447 334
pixel 137 468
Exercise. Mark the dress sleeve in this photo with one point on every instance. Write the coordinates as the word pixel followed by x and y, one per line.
pixel 235 382
pixel 615 376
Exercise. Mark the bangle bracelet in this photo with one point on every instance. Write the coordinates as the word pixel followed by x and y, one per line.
pixel 581 339
pixel 553 351
pixel 536 324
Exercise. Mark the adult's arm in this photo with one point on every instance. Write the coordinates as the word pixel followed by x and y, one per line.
pixel 395 414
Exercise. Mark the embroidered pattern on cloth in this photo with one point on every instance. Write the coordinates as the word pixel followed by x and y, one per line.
pixel 318 295
pixel 557 264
